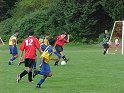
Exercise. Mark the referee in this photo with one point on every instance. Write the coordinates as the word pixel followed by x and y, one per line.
pixel 106 42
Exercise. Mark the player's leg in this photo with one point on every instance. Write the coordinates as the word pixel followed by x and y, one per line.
pixel 14 52
pixel 106 46
pixel 59 56
pixel 41 81
pixel 46 72
pixel 30 65
pixel 25 72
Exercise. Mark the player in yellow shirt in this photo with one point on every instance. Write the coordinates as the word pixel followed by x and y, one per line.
pixel 44 42
pixel 44 66
pixel 13 48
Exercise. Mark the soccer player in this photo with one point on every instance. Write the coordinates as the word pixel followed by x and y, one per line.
pixel 29 45
pixel 44 42
pixel 106 42
pixel 61 40
pixel 13 48
pixel 44 66
pixel 116 44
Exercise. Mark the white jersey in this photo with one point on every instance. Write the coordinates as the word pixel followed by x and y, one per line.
pixel 116 41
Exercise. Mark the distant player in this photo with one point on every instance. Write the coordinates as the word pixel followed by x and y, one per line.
pixel 106 42
pixel 13 48
pixel 116 44
pixel 44 66
pixel 29 46
pixel 61 40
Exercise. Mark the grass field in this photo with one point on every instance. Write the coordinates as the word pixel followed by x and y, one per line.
pixel 88 71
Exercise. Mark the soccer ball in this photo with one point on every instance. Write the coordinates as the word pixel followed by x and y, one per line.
pixel 63 63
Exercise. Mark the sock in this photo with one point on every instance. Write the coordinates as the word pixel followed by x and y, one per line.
pixel 23 73
pixel 41 81
pixel 12 58
pixel 34 65
pixel 30 76
pixel 64 57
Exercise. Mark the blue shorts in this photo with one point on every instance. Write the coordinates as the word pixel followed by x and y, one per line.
pixel 45 69
pixel 13 50
pixel 43 47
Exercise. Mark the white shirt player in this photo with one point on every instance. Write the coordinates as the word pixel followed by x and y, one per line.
pixel 116 41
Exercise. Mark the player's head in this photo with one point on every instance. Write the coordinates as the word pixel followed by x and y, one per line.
pixel 16 32
pixel 52 41
pixel 47 36
pixel 31 32
pixel 64 33
pixel 106 32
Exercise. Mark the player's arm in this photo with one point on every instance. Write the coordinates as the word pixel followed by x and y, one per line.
pixel 68 36
pixel 40 51
pixel 21 54
pixel 43 59
pixel 62 37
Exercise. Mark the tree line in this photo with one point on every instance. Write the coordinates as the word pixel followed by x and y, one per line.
pixel 85 20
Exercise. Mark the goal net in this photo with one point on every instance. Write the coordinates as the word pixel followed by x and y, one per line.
pixel 116 41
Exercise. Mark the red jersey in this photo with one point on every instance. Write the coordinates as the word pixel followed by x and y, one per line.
pixel 60 42
pixel 29 45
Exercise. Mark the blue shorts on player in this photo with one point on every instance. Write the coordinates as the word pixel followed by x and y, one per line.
pixel 13 49
pixel 45 69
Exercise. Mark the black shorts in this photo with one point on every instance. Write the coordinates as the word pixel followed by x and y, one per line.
pixel 59 48
pixel 29 62
pixel 106 46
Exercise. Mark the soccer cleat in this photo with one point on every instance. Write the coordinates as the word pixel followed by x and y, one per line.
pixel 38 86
pixel 56 64
pixel 18 78
pixel 31 81
pixel 10 62
pixel 35 73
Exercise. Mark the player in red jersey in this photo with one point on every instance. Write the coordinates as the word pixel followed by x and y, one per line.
pixel 29 45
pixel 61 40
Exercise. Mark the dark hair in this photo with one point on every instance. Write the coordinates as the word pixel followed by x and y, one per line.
pixel 52 41
pixel 16 31
pixel 31 32
pixel 64 32
pixel 47 34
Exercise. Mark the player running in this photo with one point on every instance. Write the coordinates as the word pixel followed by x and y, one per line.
pixel 44 66
pixel 13 48
pixel 44 42
pixel 106 42
pixel 61 40
pixel 29 45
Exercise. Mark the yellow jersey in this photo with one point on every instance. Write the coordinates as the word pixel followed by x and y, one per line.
pixel 47 54
pixel 44 41
pixel 13 37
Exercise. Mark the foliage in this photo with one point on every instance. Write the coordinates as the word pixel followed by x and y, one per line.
pixel 84 20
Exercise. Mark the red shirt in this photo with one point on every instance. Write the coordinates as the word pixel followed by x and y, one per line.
pixel 29 45
pixel 60 42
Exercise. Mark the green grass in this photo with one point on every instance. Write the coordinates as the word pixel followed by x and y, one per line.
pixel 88 71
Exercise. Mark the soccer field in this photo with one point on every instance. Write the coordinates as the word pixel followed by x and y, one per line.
pixel 88 71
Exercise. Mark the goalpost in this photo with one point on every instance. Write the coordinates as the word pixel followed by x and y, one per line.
pixel 117 35
pixel 1 41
